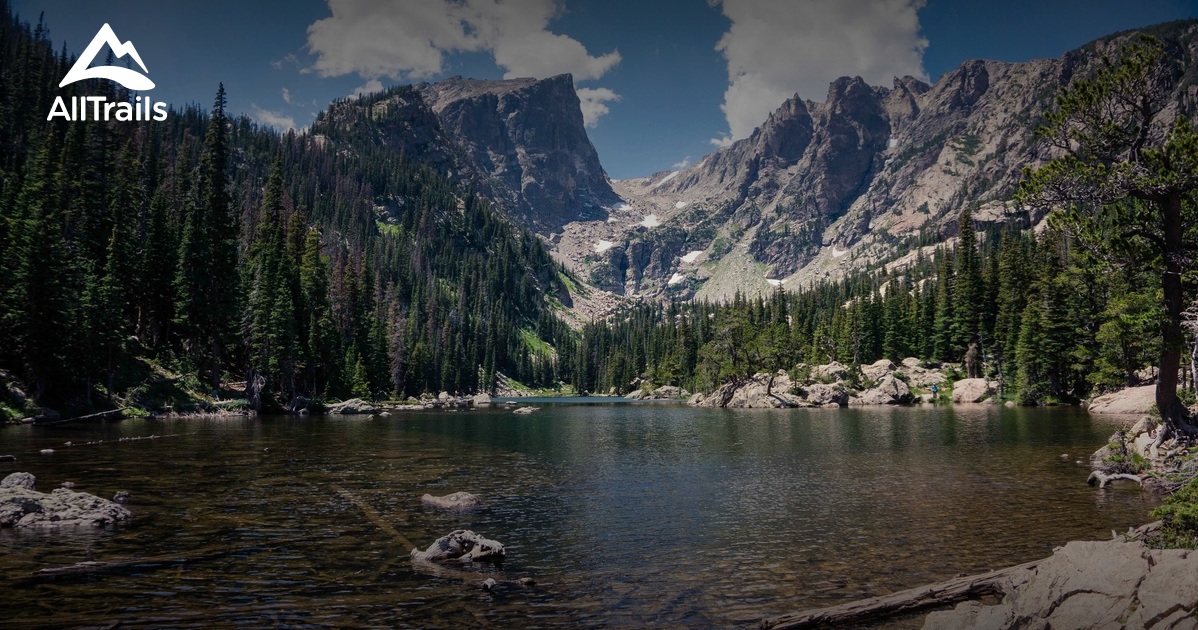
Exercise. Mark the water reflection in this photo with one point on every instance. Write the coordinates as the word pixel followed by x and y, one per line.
pixel 628 515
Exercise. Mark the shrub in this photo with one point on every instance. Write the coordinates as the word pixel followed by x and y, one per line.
pixel 1179 519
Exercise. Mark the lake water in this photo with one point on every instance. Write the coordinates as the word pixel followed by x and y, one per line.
pixel 626 515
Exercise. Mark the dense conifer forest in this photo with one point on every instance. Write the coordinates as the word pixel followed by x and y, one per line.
pixel 150 264
pixel 143 260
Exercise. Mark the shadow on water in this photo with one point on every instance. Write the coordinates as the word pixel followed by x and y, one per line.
pixel 627 515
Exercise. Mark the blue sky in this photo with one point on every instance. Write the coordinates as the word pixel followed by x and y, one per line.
pixel 676 77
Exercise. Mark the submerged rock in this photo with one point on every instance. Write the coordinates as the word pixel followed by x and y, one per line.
pixel 23 507
pixel 461 546
pixel 460 501
pixel 523 411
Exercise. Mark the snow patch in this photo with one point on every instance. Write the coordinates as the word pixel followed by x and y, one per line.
pixel 611 219
pixel 691 257
pixel 603 246
pixel 773 282
pixel 622 207
pixel 676 278
pixel 650 221
pixel 681 204
pixel 891 143
pixel 667 178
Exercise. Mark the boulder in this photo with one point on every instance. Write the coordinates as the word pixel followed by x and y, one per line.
pixel 695 400
pixel 1087 584
pixel 524 411
pixel 444 397
pixel 972 390
pixel 670 392
pixel 458 502
pixel 889 391
pixel 758 392
pixel 481 399
pixel 1133 400
pixel 639 394
pixel 922 377
pixel 833 371
pixel 353 406
pixel 22 480
pixel 912 362
pixel 23 507
pixel 878 369
pixel 822 395
pixel 461 546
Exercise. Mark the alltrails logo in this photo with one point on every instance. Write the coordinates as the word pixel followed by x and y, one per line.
pixel 142 108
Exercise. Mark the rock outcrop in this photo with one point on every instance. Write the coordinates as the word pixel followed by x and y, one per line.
pixel 763 391
pixel 972 390
pixel 353 406
pixel 22 507
pixel 1133 400
pixel 456 502
pixel 888 391
pixel 461 546
pixel 1091 585
pixel 525 140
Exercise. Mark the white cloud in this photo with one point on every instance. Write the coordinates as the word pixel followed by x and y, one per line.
pixel 594 103
pixel 370 87
pixel 402 39
pixel 776 49
pixel 683 163
pixel 286 96
pixel 275 119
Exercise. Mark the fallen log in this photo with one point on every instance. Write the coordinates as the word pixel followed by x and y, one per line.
pixel 904 602
pixel 103 416
pixel 1102 479
pixel 485 581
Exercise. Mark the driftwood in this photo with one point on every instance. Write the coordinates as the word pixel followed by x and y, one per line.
pixel 485 581
pixel 93 567
pixel 1102 479
pixel 374 517
pixel 103 416
pixel 903 602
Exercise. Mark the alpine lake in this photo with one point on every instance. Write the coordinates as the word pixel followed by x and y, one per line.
pixel 625 514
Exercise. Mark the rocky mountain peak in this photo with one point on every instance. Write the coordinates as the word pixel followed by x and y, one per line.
pixel 526 138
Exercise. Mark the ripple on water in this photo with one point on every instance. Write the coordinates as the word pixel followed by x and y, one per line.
pixel 627 515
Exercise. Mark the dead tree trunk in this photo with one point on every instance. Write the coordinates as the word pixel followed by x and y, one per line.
pixel 904 602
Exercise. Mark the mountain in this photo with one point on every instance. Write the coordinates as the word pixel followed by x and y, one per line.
pixel 519 142
pixel 823 188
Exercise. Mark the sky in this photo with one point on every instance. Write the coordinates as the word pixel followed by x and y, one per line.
pixel 662 82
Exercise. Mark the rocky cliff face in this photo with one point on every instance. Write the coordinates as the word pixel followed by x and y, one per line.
pixel 520 142
pixel 527 137
pixel 821 188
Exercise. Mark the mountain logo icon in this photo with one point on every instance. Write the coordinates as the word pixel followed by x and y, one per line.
pixel 125 76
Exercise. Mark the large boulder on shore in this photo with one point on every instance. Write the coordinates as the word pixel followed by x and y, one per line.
pixel 972 390
pixel 763 391
pixel 878 369
pixel 461 546
pixel 1088 584
pixel 827 395
pixel 353 406
pixel 1133 400
pixel 888 391
pixel 23 507
pixel 480 399
pixel 833 371
pixel 457 502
